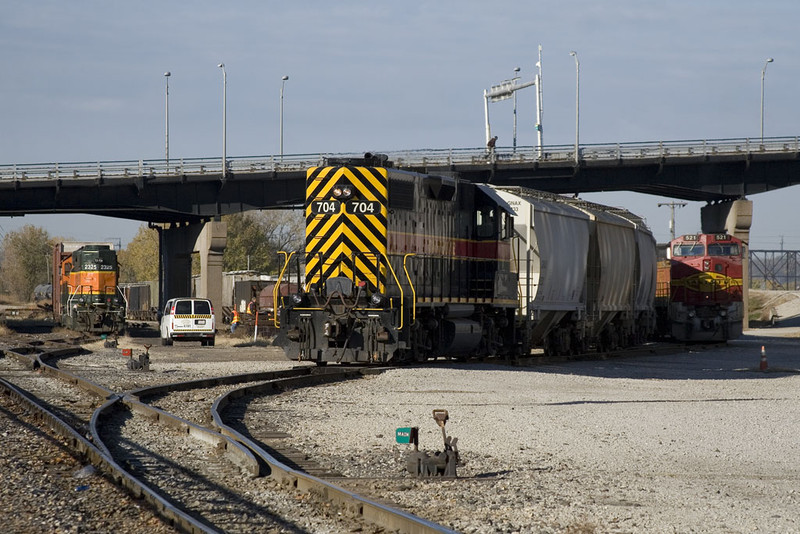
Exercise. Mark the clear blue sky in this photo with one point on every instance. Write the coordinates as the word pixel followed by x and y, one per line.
pixel 84 81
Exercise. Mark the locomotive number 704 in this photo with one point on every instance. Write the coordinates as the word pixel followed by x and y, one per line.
pixel 363 207
pixel 325 206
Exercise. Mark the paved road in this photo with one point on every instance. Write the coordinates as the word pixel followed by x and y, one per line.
pixel 739 359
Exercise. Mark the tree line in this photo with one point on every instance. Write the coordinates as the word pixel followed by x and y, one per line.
pixel 254 238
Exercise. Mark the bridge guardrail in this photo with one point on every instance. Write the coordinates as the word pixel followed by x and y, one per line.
pixel 554 154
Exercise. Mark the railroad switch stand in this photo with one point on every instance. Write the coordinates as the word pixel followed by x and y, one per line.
pixel 143 363
pixel 440 464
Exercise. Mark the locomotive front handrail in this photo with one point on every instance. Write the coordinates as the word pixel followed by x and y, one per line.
pixel 413 290
pixel 124 300
pixel 394 275
pixel 276 291
pixel 402 293
pixel 74 293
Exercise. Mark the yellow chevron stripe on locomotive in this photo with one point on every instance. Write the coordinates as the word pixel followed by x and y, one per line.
pixel 707 282
pixel 346 224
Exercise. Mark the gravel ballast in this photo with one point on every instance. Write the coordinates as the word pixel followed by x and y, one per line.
pixel 696 442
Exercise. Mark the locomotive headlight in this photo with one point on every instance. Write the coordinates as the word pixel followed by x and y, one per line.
pixel 691 314
pixel 82 300
pixel 298 299
pixel 377 300
pixel 342 192
pixel 723 313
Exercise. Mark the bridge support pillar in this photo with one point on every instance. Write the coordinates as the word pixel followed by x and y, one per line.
pixel 733 218
pixel 210 245
pixel 178 242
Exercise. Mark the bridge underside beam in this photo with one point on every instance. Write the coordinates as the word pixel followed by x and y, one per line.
pixel 696 179
pixel 171 199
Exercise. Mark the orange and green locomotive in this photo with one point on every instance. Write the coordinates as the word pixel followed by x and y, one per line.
pixel 86 294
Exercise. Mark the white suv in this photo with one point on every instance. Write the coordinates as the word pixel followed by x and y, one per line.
pixel 188 319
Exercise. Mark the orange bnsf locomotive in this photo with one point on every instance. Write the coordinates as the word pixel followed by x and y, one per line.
pixel 85 290
pixel 705 302
pixel 398 266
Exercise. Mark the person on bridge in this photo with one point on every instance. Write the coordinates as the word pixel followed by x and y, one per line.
pixel 490 146
pixel 234 321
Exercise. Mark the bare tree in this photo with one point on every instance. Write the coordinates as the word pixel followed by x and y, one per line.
pixel 26 261
pixel 254 239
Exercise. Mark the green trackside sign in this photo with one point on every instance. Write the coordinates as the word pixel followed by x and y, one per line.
pixel 404 435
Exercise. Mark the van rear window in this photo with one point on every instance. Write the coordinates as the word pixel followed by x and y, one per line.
pixel 201 307
pixel 183 307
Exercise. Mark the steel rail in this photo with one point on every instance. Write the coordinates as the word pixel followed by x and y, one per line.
pixel 94 451
pixel 387 517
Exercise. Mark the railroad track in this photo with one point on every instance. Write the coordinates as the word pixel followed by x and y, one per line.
pixel 197 478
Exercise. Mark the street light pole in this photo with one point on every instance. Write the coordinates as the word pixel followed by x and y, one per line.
pixel 224 120
pixel 672 206
pixel 577 102
pixel 516 77
pixel 539 106
pixel 166 119
pixel 763 75
pixel 283 82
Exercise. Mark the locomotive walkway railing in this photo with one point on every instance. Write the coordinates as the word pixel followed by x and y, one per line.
pixel 557 155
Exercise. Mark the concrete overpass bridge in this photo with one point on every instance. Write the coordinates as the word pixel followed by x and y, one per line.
pixel 188 196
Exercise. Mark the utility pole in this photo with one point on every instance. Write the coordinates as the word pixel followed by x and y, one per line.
pixel 672 206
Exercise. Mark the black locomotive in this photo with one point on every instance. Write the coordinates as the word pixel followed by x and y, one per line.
pixel 401 266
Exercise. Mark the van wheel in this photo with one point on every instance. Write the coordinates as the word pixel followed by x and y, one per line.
pixel 210 342
pixel 166 341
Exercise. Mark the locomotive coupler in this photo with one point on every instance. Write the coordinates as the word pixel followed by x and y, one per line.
pixel 440 463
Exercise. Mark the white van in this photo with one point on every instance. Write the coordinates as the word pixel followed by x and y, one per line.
pixel 188 319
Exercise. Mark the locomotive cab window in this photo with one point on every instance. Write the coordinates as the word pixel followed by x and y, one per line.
pixel 485 223
pixel 723 249
pixel 508 226
pixel 688 249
